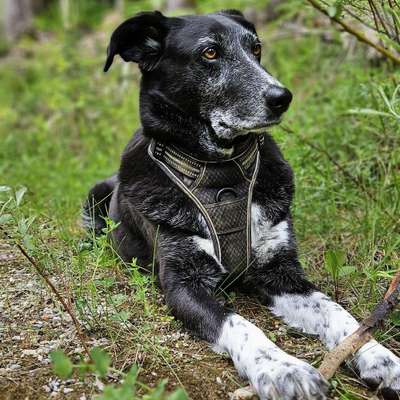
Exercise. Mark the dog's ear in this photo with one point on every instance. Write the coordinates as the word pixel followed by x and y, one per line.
pixel 139 39
pixel 238 17
pixel 231 13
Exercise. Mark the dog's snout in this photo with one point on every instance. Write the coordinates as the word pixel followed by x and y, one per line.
pixel 278 99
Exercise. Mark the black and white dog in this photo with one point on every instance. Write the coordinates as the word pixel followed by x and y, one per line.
pixel 205 101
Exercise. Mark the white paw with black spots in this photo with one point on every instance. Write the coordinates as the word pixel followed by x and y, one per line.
pixel 379 367
pixel 289 379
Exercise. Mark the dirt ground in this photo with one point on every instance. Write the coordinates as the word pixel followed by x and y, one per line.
pixel 31 325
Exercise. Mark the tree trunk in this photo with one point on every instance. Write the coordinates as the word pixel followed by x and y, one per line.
pixel 16 18
pixel 177 4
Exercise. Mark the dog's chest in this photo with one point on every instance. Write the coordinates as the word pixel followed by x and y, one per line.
pixel 223 190
pixel 222 193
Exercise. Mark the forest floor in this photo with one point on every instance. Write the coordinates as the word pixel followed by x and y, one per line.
pixel 34 325
pixel 63 127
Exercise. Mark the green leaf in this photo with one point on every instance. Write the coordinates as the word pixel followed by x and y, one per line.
pixel 335 10
pixel 334 261
pixel 370 111
pixel 347 270
pixel 121 316
pixel 118 299
pixel 62 365
pixel 20 194
pixel 5 218
pixel 332 10
pixel 110 393
pixel 28 242
pixel 101 361
pixel 179 394
pixel 131 376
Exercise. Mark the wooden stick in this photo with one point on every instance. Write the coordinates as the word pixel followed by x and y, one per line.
pixel 58 295
pixel 352 343
pixel 363 334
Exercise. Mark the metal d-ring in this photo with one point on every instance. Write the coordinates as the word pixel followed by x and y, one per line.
pixel 222 191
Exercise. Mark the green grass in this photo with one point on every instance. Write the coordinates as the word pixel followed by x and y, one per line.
pixel 64 124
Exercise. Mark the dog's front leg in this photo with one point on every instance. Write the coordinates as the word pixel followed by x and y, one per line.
pixel 189 273
pixel 316 313
pixel 273 373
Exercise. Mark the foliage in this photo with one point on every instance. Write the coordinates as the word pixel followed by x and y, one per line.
pixel 376 23
pixel 100 365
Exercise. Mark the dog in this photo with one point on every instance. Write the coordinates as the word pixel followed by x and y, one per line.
pixel 206 191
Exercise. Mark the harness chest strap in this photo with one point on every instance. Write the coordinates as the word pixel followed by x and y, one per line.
pixel 222 191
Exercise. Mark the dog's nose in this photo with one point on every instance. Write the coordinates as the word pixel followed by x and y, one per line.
pixel 278 99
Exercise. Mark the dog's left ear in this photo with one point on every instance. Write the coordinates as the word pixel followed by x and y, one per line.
pixel 238 17
pixel 139 39
pixel 231 13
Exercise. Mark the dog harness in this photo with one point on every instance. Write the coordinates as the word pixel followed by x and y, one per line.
pixel 222 191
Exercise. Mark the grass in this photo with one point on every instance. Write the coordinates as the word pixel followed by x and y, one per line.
pixel 64 124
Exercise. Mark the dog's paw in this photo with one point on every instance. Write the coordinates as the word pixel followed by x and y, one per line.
pixel 289 379
pixel 379 367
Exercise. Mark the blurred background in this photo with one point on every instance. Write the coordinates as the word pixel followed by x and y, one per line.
pixel 64 123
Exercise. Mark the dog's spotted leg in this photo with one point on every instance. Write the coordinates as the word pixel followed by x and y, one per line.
pixel 273 373
pixel 316 313
pixel 189 274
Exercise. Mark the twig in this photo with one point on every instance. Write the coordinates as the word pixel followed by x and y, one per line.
pixel 361 21
pixel 371 6
pixel 381 19
pixel 359 35
pixel 363 334
pixel 49 283
pixel 396 29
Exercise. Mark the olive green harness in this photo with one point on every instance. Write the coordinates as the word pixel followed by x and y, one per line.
pixel 222 191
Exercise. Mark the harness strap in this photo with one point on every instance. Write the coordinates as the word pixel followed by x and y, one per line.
pixel 192 167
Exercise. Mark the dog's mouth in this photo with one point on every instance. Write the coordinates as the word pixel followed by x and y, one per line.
pixel 259 128
pixel 245 129
pixel 239 133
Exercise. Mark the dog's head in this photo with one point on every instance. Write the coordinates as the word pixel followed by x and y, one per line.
pixel 202 78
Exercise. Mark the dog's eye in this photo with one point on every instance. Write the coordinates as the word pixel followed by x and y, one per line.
pixel 210 53
pixel 257 50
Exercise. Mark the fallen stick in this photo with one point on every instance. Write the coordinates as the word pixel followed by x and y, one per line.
pixel 40 271
pixel 363 334
pixel 352 343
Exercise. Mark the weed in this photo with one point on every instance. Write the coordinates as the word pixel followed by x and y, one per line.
pixel 101 365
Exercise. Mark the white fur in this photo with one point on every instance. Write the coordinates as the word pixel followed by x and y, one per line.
pixel 208 247
pixel 273 373
pixel 205 244
pixel 375 362
pixel 266 238
pixel 318 314
pixel 153 44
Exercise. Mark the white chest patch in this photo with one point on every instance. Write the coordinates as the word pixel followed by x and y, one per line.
pixel 267 238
